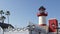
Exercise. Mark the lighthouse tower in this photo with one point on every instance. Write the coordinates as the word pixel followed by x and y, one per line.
pixel 42 16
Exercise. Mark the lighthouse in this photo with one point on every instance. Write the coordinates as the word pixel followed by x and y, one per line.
pixel 42 14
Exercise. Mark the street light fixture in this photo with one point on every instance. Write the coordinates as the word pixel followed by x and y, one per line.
pixel 1 12
pixel 2 18
pixel 8 13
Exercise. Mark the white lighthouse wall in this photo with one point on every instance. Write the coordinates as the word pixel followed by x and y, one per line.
pixel 42 20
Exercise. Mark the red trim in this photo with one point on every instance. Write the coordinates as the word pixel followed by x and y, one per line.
pixel 42 14
pixel 42 24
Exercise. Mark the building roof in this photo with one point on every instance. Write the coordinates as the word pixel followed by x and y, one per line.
pixel 4 25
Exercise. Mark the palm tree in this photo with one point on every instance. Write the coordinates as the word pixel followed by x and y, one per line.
pixel 8 13
pixel 1 12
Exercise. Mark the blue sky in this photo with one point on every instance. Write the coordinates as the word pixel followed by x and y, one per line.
pixel 23 11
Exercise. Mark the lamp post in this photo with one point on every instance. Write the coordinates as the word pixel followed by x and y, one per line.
pixel 8 13
pixel 1 12
pixel 55 28
pixel 3 18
